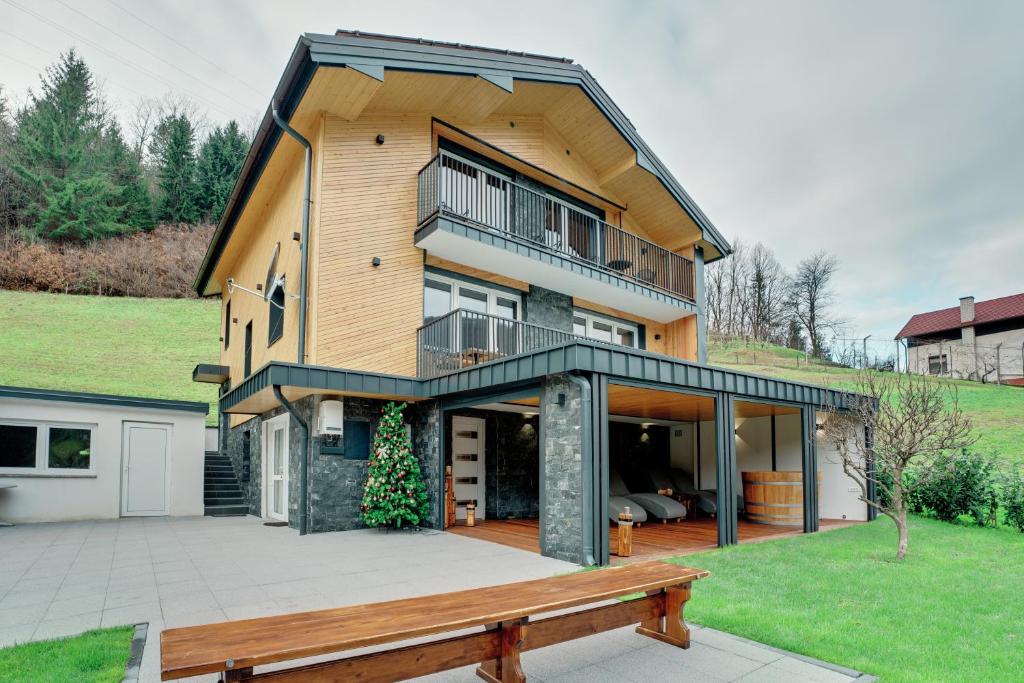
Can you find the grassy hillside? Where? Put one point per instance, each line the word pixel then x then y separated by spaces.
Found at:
pixel 134 347
pixel 997 411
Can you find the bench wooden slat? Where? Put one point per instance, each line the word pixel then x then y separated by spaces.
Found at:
pixel 205 649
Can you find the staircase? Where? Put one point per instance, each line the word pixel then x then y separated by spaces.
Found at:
pixel 222 495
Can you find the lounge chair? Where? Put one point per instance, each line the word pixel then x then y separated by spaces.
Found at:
pixel 656 505
pixel 706 500
pixel 619 503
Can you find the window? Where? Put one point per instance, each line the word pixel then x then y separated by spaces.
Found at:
pixel 19 445
pixel 45 447
pixel 938 365
pixel 357 440
pixel 442 295
pixel 69 448
pixel 276 314
pixel 609 330
pixel 248 349
pixel 227 324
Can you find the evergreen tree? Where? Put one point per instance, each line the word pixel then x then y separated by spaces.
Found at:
pixel 393 493
pixel 12 192
pixel 173 147
pixel 58 155
pixel 220 161
pixel 127 176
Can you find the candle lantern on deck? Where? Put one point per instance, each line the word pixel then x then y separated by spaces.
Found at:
pixel 625 533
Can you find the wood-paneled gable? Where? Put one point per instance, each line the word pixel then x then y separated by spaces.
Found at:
pixel 364 206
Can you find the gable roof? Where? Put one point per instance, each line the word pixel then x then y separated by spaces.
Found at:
pixel 993 310
pixel 373 54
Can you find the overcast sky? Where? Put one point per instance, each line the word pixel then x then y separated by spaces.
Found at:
pixel 888 133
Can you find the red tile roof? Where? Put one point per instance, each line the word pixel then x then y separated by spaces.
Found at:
pixel 989 311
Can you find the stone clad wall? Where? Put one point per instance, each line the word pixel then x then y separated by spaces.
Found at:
pixel 425 418
pixel 561 509
pixel 549 308
pixel 335 481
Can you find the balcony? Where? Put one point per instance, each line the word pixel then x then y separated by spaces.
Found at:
pixel 472 215
pixel 464 338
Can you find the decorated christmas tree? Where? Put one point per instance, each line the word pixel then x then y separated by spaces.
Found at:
pixel 394 493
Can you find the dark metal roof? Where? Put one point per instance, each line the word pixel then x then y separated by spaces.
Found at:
pixel 373 53
pixel 102 399
pixel 575 356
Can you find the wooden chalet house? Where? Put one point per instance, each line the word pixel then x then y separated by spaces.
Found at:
pixel 484 235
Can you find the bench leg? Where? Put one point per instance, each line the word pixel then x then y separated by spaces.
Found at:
pixel 232 675
pixel 670 628
pixel 507 668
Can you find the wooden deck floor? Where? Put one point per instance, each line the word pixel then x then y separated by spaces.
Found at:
pixel 650 541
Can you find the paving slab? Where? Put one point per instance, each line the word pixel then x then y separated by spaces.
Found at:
pixel 62 579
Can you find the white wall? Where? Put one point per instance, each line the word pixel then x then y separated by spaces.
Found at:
pixel 681 445
pixel 96 493
pixel 212 440
pixel 708 460
pixel 965 359
pixel 838 495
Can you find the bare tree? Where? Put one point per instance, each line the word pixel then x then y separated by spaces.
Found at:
pixel 811 298
pixel 913 420
pixel 766 291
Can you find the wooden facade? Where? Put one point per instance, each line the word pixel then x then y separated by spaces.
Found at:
pixel 370 138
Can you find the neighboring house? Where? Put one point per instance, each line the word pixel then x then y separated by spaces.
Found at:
pixel 487 238
pixel 981 340
pixel 67 455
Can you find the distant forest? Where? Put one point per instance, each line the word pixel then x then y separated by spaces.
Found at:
pixel 81 199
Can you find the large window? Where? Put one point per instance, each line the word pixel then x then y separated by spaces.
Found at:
pixel 602 328
pixel 442 295
pixel 484 334
pixel 227 324
pixel 276 314
pixel 248 350
pixel 45 447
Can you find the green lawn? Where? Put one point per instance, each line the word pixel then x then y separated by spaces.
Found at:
pixel 952 611
pixel 109 345
pixel 93 657
pixel 995 410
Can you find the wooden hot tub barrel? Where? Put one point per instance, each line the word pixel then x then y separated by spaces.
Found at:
pixel 775 498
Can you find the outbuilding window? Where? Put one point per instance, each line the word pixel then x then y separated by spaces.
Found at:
pixel 938 365
pixel 43 447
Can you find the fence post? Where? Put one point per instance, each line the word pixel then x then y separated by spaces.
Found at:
pixel 998 368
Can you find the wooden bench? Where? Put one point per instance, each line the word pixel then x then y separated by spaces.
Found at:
pixel 504 612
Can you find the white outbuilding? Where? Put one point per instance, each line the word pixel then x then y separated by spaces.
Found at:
pixel 70 456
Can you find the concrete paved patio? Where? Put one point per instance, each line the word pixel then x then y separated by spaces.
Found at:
pixel 61 579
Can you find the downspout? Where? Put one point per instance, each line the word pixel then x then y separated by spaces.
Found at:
pixel 587 457
pixel 303 460
pixel 303 248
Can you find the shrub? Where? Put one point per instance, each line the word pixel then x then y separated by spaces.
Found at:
pixel 160 263
pixel 964 483
pixel 1012 499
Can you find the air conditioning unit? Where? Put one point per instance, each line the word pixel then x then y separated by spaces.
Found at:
pixel 331 419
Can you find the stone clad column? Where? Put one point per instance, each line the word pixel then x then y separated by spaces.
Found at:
pixel 561 469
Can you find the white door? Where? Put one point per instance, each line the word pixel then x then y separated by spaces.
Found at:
pixel 145 456
pixel 275 468
pixel 468 464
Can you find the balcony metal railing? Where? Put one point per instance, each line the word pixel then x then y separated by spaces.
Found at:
pixel 455 188
pixel 464 338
